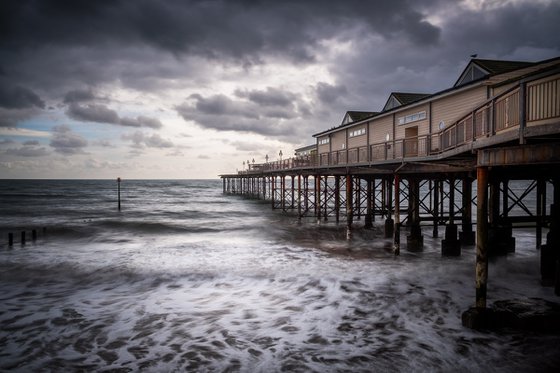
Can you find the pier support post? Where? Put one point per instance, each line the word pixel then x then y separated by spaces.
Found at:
pixel 349 206
pixel 415 240
pixel 389 222
pixel 318 198
pixel 273 191
pixel 397 230
pixel 22 238
pixel 10 239
pixel 467 236
pixel 481 236
pixel 435 209
pixel 500 238
pixel 450 245
pixel 326 198
pixel 550 253
pixel 337 198
pixel 541 210
pixel 368 221
pixel 299 196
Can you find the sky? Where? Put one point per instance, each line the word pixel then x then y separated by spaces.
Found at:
pixel 190 89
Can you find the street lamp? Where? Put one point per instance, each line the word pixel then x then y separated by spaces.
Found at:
pixel 280 154
pixel 243 165
pixel 266 158
pixel 253 160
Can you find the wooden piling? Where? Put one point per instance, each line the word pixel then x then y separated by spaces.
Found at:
pixel 119 192
pixel 397 229
pixel 481 236
pixel 349 206
pixel 23 237
pixel 34 235
pixel 10 239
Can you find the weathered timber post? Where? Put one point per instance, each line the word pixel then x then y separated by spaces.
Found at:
pixel 550 253
pixel 318 198
pixel 293 193
pixel 541 209
pixel 349 206
pixel 358 198
pixel 369 211
pixel 481 236
pixel 224 185
pixel 306 192
pixel 10 239
pixel 467 236
pixel 397 228
pixel 34 235
pixel 389 222
pixel 273 190
pixel 283 190
pixel 326 197
pixel 337 198
pixel 435 209
pixel 119 192
pixel 450 245
pixel 299 196
pixel 22 238
pixel 415 240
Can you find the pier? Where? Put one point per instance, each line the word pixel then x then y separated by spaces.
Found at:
pixel 441 164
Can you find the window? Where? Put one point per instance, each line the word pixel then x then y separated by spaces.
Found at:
pixel 361 131
pixel 324 141
pixel 412 117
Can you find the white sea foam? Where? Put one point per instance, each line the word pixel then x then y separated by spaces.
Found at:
pixel 263 294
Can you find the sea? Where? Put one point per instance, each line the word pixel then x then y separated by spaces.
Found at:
pixel 187 279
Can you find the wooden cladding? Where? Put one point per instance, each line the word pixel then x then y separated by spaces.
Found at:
pixel 543 100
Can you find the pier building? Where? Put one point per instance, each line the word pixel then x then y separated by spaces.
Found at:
pixel 427 162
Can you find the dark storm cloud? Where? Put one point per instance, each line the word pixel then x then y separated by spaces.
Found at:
pixel 102 114
pixel 65 141
pixel 212 28
pixel 328 93
pixel 269 97
pixel 78 95
pixel 270 113
pixel 17 97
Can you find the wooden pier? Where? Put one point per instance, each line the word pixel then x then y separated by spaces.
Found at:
pixel 409 169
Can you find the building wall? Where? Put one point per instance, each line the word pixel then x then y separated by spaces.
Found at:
pixel 423 124
pixel 323 148
pixel 338 140
pixel 451 108
pixel 379 128
pixel 357 141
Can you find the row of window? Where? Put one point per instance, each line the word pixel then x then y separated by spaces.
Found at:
pixel 412 117
pixel 361 131
pixel 324 141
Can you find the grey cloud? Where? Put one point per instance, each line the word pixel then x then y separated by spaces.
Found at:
pixel 28 151
pixel 31 143
pixel 141 140
pixel 141 121
pixel 93 113
pixel 221 112
pixel 269 97
pixel 244 29
pixel 12 117
pixel 17 97
pixel 7 142
pixel 78 95
pixel 328 93
pixel 102 114
pixel 65 141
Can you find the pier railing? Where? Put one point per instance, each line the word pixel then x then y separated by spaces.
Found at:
pixel 528 104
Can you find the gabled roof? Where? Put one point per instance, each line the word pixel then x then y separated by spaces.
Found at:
pixel 402 98
pixel 354 116
pixel 478 69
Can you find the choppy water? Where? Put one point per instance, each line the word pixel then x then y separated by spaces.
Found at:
pixel 187 279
